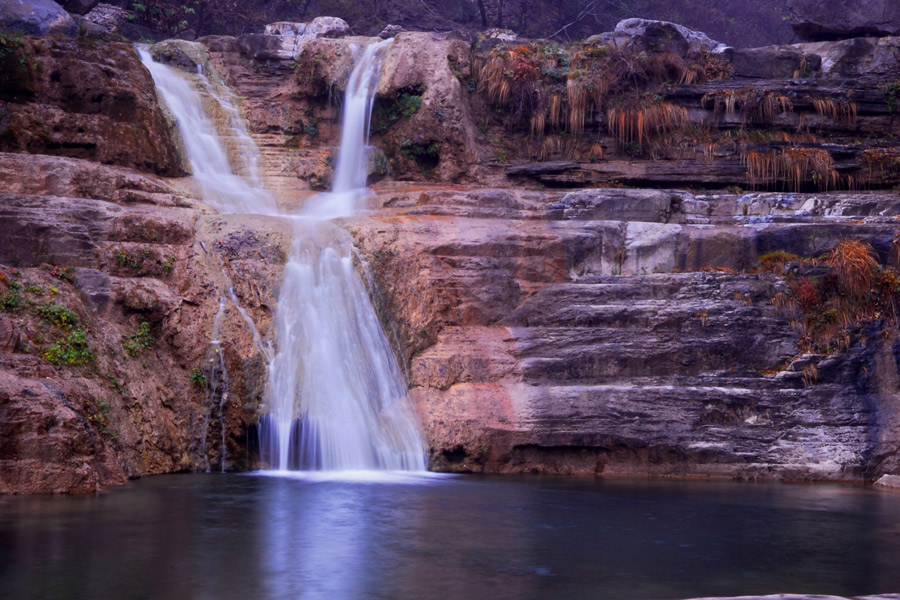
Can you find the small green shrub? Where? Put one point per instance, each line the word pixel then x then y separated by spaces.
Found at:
pixel 138 341
pixel 62 273
pixel 99 416
pixel 198 378
pixel 11 300
pixel 125 259
pixel 72 350
pixel 115 383
pixel 892 95
pixel 35 289
pixel 168 266
pixel 775 261
pixel 387 112
pixel 58 315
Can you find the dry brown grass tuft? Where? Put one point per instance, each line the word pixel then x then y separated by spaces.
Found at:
pixel 839 111
pixel 556 110
pixel 578 100
pixel 538 123
pixel 791 168
pixel 759 106
pixel 637 122
pixel 881 163
pixel 855 267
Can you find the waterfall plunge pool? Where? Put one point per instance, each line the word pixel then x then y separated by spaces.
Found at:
pixel 238 536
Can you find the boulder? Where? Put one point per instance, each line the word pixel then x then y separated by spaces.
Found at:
pixel 819 20
pixel 85 100
pixel 443 122
pixel 857 57
pixel 79 7
pixel 285 40
pixel 285 28
pixel 645 35
pixel 36 17
pixel 330 27
pixel 501 35
pixel 390 31
pixel 490 38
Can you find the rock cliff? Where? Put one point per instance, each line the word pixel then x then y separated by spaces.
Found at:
pixel 589 258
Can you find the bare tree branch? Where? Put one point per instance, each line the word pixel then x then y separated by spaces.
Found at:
pixel 587 11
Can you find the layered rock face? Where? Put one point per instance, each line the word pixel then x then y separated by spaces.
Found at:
pixel 553 333
pixel 111 285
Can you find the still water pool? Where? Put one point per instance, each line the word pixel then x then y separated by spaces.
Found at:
pixel 247 537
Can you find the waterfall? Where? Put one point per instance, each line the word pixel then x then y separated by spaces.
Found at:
pixel 349 181
pixel 337 398
pixel 222 188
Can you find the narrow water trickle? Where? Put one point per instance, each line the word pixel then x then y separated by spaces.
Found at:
pixel 336 397
pixel 217 383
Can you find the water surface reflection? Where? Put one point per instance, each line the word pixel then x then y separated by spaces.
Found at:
pixel 226 536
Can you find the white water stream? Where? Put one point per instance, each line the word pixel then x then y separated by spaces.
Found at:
pixel 336 397
pixel 222 188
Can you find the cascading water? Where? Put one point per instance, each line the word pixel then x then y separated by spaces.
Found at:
pixel 349 183
pixel 336 396
pixel 222 188
pixel 337 399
